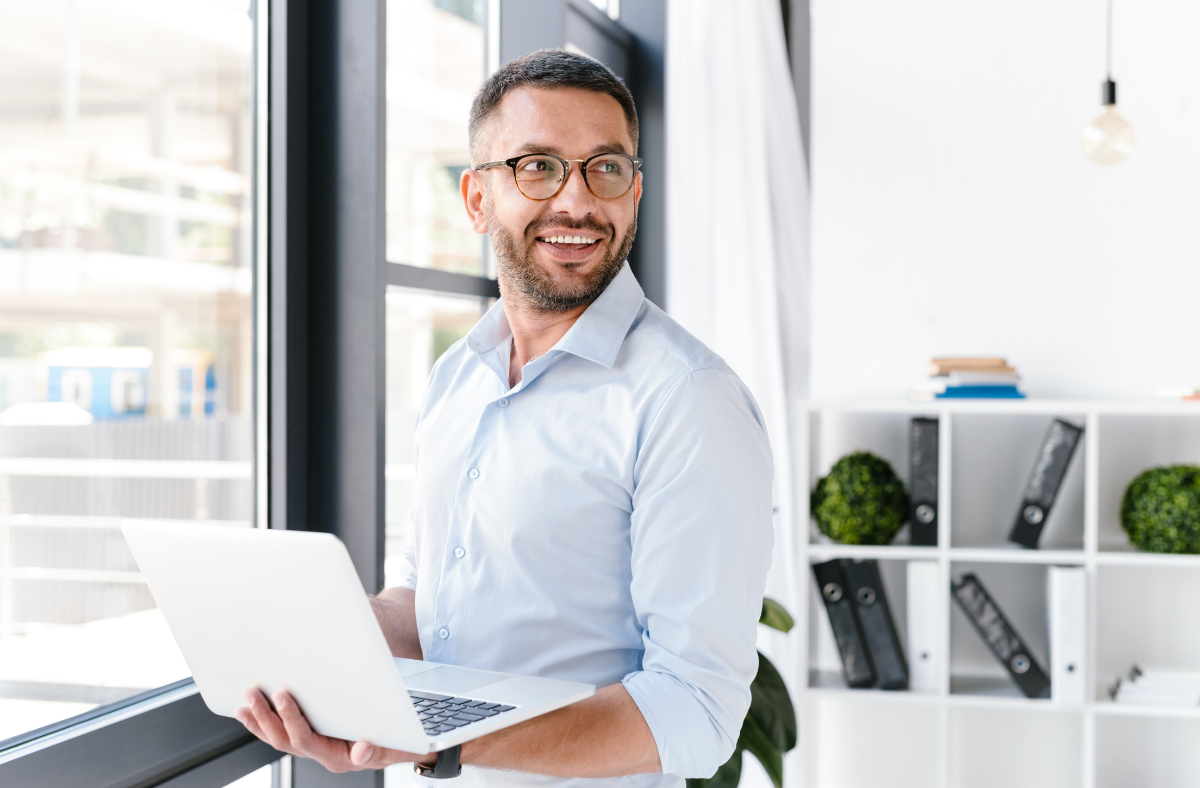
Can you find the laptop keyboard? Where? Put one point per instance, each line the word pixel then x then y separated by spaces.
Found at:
pixel 442 713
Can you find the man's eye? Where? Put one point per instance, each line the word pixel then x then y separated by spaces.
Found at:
pixel 538 165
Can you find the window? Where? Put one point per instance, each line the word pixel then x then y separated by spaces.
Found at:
pixel 126 265
pixel 610 7
pixel 259 778
pixel 435 64
pixel 420 327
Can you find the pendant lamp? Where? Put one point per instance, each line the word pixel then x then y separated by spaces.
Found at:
pixel 1108 139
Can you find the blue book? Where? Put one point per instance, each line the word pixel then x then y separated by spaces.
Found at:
pixel 981 392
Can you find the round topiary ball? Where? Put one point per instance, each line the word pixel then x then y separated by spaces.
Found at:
pixel 861 501
pixel 1161 510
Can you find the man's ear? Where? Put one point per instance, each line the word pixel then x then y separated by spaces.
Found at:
pixel 471 186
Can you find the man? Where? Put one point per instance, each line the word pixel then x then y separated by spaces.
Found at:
pixel 593 490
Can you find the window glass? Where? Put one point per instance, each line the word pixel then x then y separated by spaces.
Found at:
pixel 610 7
pixel 259 778
pixel 435 63
pixel 421 326
pixel 125 327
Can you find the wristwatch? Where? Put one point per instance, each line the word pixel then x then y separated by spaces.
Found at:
pixel 447 765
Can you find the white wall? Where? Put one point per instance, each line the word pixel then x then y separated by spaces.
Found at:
pixel 954 213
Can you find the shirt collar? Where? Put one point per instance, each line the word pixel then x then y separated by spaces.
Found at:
pixel 490 331
pixel 598 333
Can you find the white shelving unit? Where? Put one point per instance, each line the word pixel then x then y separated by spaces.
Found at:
pixel 977 730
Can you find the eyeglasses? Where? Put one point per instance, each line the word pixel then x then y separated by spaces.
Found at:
pixel 540 176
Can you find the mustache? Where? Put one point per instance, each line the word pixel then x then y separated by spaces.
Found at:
pixel 587 222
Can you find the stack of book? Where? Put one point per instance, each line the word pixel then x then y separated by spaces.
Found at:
pixel 975 378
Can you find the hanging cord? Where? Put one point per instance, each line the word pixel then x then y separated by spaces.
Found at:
pixel 1108 43
pixel 1108 91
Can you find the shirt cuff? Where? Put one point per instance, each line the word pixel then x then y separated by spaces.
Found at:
pixel 690 742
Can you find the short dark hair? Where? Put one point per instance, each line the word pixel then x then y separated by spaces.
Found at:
pixel 550 68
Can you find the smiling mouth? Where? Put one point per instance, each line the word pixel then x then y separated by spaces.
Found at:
pixel 576 241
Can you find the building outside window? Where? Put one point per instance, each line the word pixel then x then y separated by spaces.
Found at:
pixel 126 267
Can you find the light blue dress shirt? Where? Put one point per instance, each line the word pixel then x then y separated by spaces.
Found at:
pixel 608 519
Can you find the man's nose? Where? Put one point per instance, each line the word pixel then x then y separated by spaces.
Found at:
pixel 575 198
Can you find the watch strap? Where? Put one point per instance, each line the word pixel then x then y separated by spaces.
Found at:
pixel 447 766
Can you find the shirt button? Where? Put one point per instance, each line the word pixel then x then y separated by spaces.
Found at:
pixel 443 633
pixel 503 403
pixel 474 474
pixel 459 552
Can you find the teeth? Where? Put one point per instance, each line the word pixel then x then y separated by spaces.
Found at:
pixel 569 239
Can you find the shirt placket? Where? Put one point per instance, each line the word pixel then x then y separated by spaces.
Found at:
pixel 473 474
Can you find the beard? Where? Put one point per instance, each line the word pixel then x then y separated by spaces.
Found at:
pixel 530 281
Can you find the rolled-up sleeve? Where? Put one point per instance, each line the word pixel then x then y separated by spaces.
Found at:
pixel 702 534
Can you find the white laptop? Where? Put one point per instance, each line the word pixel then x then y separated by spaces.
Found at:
pixel 286 610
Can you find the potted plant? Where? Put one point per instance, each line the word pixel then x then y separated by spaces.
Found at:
pixel 1160 510
pixel 860 501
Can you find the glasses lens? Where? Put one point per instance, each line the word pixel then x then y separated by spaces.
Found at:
pixel 610 176
pixel 539 176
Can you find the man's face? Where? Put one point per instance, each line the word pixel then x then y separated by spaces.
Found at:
pixel 546 274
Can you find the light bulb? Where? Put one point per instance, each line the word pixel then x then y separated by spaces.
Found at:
pixel 1109 138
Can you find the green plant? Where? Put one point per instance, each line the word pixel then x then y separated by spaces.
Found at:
pixel 1161 510
pixel 861 501
pixel 769 729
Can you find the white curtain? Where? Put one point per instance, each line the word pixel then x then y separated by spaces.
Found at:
pixel 737 237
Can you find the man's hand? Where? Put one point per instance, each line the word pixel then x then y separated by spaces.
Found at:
pixel 285 728
pixel 601 736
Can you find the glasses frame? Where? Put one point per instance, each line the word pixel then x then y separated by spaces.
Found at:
pixel 566 163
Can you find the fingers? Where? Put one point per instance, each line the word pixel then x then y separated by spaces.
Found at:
pixel 285 728
pixel 261 720
pixel 365 755
pixel 244 716
pixel 333 754
pixel 362 753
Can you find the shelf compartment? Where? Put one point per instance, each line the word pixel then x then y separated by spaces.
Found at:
pixel 824 662
pixel 899 742
pixel 991 459
pixel 1142 751
pixel 836 434
pixel 1146 615
pixel 1132 444
pixel 1005 747
pixel 1020 592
